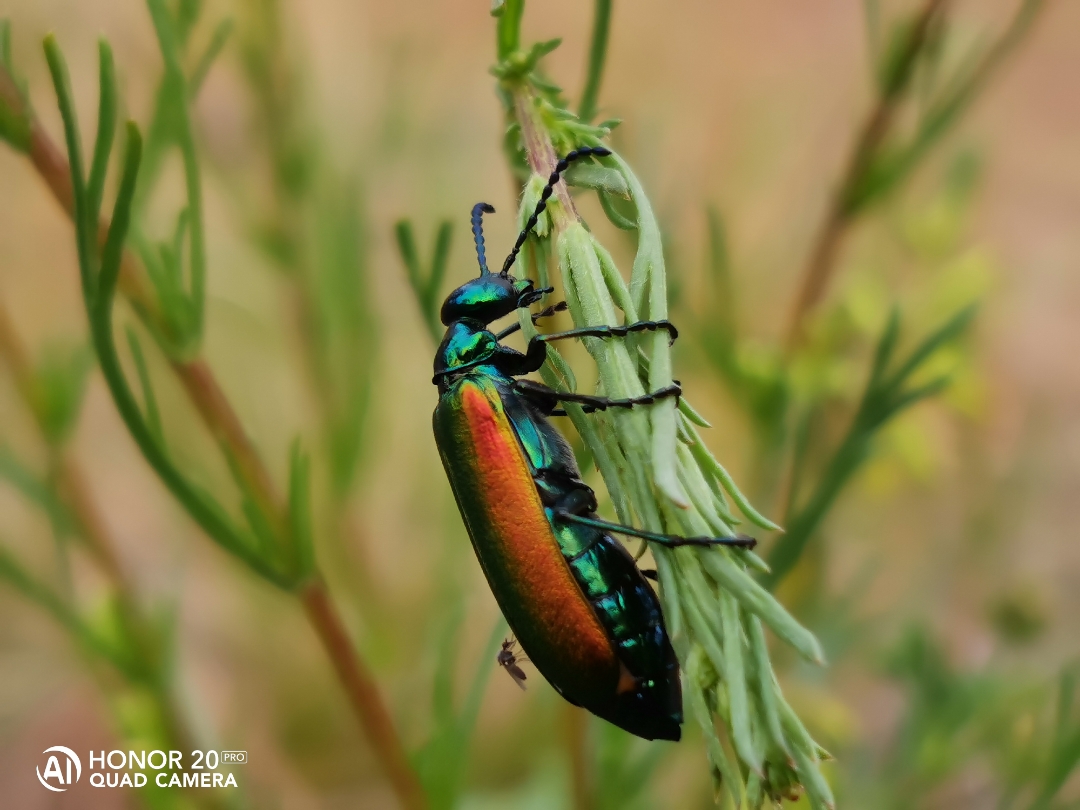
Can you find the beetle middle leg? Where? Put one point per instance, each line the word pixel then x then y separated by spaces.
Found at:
pixel 590 403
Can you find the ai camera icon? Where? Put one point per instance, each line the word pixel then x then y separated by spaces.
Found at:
pixel 234 757
pixel 53 771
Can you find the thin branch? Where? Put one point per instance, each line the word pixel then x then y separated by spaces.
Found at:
pixel 72 482
pixel 576 726
pixel 195 375
pixel 224 424
pixel 822 262
pixel 597 56
pixel 71 485
pixel 363 694
pixel 541 155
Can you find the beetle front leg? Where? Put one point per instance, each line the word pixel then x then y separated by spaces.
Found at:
pixel 546 312
pixel 613 331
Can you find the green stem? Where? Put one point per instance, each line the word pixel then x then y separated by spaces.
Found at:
pixel 175 86
pixel 597 57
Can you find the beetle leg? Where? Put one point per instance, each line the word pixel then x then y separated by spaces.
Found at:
pixel 547 397
pixel 613 331
pixel 566 512
pixel 547 312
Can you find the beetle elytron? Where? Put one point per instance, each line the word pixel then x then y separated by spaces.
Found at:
pixel 582 611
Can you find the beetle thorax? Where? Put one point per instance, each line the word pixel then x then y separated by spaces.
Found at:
pixel 467 344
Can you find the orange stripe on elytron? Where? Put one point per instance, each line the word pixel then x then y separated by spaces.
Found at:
pixel 519 538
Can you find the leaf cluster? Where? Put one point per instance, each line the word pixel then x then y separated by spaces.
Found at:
pixel 276 546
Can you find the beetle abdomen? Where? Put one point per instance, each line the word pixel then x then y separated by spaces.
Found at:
pixel 539 596
pixel 581 610
pixel 629 610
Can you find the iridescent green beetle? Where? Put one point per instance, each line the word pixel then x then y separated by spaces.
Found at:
pixel 582 611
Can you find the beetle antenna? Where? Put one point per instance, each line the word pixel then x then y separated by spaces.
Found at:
pixel 560 167
pixel 478 212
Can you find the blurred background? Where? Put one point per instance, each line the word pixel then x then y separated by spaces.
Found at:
pixel 941 582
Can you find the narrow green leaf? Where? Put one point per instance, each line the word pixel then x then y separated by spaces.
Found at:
pixel 470 712
pixel 300 520
pixel 617 217
pixel 726 774
pixel 598 178
pixel 85 237
pixel 205 511
pixel 723 287
pixel 909 398
pixel 539 50
pixel 709 463
pixel 153 416
pixel 700 496
pixel 174 84
pixel 407 248
pixel 6 58
pixel 206 61
pixel 687 410
pixel 37 491
pixel 885 347
pixel 267 541
pixel 16 575
pixel 14 109
pixel 765 683
pixel 949 331
pixel 671 597
pixel 121 219
pixel 105 130
pixel 734 674
pixel 616 286
pixel 439 261
pixel 761 603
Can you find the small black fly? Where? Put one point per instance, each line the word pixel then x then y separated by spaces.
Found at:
pixel 508 659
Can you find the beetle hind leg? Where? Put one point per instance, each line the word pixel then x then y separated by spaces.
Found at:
pixel 571 508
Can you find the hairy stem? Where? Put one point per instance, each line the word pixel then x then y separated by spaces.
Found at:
pixel 540 152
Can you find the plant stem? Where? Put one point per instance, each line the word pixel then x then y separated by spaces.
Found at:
pixel 363 694
pixel 540 152
pixel 597 57
pixel 225 426
pixel 70 483
pixel 576 723
pixel 71 480
pixel 194 374
pixel 823 257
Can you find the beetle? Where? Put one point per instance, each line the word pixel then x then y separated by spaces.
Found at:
pixel 573 596
pixel 509 659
